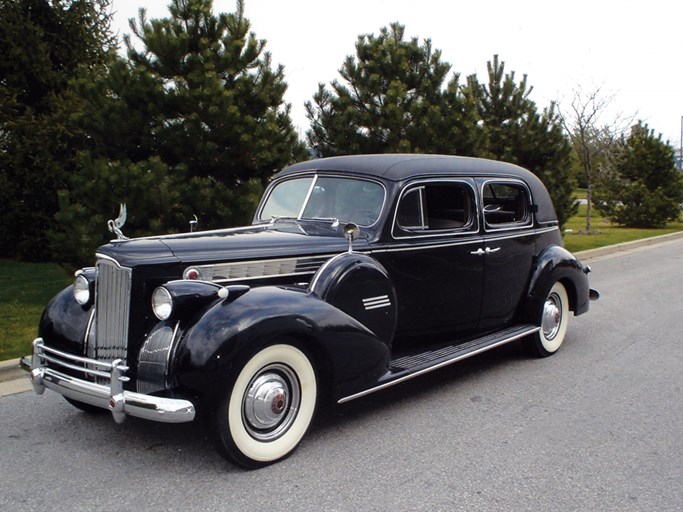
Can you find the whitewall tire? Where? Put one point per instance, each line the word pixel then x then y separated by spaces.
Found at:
pixel 269 408
pixel 554 321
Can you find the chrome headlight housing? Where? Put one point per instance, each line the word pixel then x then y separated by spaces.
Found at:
pixel 162 303
pixel 183 298
pixel 83 286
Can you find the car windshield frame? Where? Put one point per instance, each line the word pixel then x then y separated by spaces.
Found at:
pixel 301 209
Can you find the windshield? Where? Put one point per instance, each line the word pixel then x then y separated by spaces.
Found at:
pixel 325 197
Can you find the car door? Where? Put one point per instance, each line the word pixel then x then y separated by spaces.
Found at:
pixel 509 247
pixel 432 258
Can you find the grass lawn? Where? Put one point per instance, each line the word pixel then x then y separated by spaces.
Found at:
pixel 606 233
pixel 25 289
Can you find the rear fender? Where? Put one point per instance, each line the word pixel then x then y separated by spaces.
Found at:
pixel 557 264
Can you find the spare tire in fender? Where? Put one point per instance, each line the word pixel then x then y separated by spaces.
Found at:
pixel 359 286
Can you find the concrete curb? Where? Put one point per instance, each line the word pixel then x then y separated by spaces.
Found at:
pixel 14 380
pixel 10 370
pixel 616 250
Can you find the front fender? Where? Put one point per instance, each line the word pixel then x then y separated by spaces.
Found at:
pixel 212 349
pixel 64 322
pixel 555 264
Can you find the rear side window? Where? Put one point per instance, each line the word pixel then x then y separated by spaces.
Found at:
pixel 435 207
pixel 505 204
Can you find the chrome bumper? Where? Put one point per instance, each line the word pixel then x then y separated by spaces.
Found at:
pixel 121 403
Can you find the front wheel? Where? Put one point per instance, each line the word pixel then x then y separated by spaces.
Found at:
pixel 554 321
pixel 269 408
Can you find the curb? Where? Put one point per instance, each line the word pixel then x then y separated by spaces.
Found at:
pixel 616 250
pixel 10 370
pixel 13 379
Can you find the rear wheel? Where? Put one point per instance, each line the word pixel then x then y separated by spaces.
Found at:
pixel 269 407
pixel 554 320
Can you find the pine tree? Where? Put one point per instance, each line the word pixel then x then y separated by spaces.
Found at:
pixel 221 102
pixel 391 99
pixel 643 189
pixel 46 45
pixel 193 123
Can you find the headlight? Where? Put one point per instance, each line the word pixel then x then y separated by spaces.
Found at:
pixel 162 303
pixel 82 289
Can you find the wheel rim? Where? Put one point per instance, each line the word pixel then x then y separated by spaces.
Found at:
pixel 271 402
pixel 552 316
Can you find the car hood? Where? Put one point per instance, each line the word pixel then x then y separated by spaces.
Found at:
pixel 249 243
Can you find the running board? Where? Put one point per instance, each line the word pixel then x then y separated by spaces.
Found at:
pixel 407 367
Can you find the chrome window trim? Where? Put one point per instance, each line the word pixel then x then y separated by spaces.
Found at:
pixel 471 228
pixel 316 175
pixel 306 199
pixel 426 246
pixel 509 225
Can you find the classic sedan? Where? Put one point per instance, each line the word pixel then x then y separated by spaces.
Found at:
pixel 358 273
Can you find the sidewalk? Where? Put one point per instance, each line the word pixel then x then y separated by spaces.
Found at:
pixel 15 380
pixel 12 378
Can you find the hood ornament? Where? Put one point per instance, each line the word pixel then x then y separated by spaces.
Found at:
pixel 116 224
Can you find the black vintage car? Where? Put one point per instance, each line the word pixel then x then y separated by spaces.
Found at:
pixel 358 273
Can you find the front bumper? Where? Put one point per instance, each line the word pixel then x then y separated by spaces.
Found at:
pixel 110 396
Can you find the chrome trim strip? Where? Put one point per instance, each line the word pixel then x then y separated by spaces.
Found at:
pixel 260 269
pixel 320 270
pixel 381 301
pixel 376 250
pixel 455 359
pixel 78 359
pixel 70 366
pixel 308 196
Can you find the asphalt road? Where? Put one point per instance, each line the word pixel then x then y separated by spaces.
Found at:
pixel 599 426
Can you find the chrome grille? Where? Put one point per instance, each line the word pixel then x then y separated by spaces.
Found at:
pixel 112 309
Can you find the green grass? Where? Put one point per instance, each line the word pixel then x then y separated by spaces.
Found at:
pixel 606 233
pixel 25 289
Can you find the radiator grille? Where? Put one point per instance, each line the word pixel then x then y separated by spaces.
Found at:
pixel 112 311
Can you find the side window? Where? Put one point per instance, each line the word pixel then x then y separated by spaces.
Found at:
pixel 505 204
pixel 435 207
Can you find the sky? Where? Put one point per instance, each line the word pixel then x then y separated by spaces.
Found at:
pixel 631 51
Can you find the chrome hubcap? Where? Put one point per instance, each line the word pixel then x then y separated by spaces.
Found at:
pixel 552 316
pixel 271 402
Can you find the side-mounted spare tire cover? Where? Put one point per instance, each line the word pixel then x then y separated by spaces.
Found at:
pixel 359 286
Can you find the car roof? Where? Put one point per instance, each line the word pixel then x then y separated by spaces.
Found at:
pixel 398 167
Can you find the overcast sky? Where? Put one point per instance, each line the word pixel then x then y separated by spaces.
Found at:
pixel 628 49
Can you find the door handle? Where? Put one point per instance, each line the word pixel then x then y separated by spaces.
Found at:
pixel 488 250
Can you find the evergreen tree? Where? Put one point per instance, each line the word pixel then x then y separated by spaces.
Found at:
pixel 221 107
pixel 517 132
pixel 45 44
pixel 194 123
pixel 392 99
pixel 643 188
